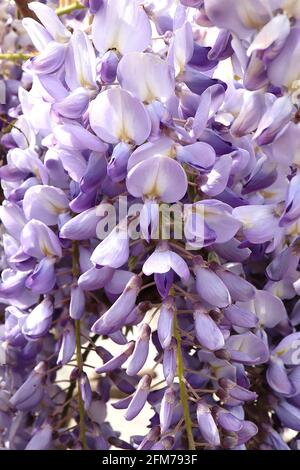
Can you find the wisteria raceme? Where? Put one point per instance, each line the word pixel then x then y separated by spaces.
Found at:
pixel 150 221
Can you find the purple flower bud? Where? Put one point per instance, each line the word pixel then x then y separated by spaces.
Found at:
pixel 117 361
pixel 228 421
pixel 166 409
pixel 94 278
pixel 239 288
pixel 208 333
pixel 113 251
pixel 115 317
pixel 165 322
pixel 67 346
pixel 31 391
pixel 77 303
pixel 207 424
pixel 150 439
pixel 169 362
pixel 141 350
pixel 211 288
pixel 117 167
pixel 236 391
pixel 43 277
pixel 108 67
pixel 41 440
pixel 39 320
pixel 240 317
pixel 139 398
pixel 86 391
pixel 166 443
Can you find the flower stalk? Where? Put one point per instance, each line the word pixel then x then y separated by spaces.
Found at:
pixel 79 359
pixel 182 388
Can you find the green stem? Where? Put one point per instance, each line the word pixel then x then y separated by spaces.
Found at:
pixel 182 388
pixel 16 56
pixel 68 9
pixel 79 361
pixel 82 430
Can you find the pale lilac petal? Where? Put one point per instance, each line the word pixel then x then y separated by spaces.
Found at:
pixel 139 398
pixel 199 155
pixel 268 308
pixel 211 288
pixel 260 223
pixel 247 349
pixel 51 21
pixel 277 377
pixel 39 241
pixel 45 203
pixel 138 73
pixel 115 115
pixel 217 179
pixel 207 424
pixel 166 322
pixel 151 179
pixel 239 288
pixel 121 25
pixel 113 251
pixel 76 137
pixel 208 333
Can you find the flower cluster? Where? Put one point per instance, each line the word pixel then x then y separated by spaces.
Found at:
pixel 189 103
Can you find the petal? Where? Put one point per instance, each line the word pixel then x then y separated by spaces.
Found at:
pixel 115 115
pixel 39 241
pixel 51 21
pixel 274 32
pixel 138 73
pixel 260 223
pixel 49 60
pixel 165 322
pixel 82 226
pixel 207 424
pixel 141 350
pixel 74 105
pixel 239 288
pixel 118 361
pixel 268 308
pixel 167 409
pixel 240 317
pixel 207 332
pixel 217 179
pixel 74 136
pixel 121 25
pixel 39 320
pixel 81 62
pixel 113 251
pixel 284 69
pixel 150 178
pixel 247 349
pixel 199 155
pixel 139 398
pixel 210 288
pixel 38 34
pixel 45 203
pixel 43 278
pixel 273 121
pixel 42 439
pixel 277 377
